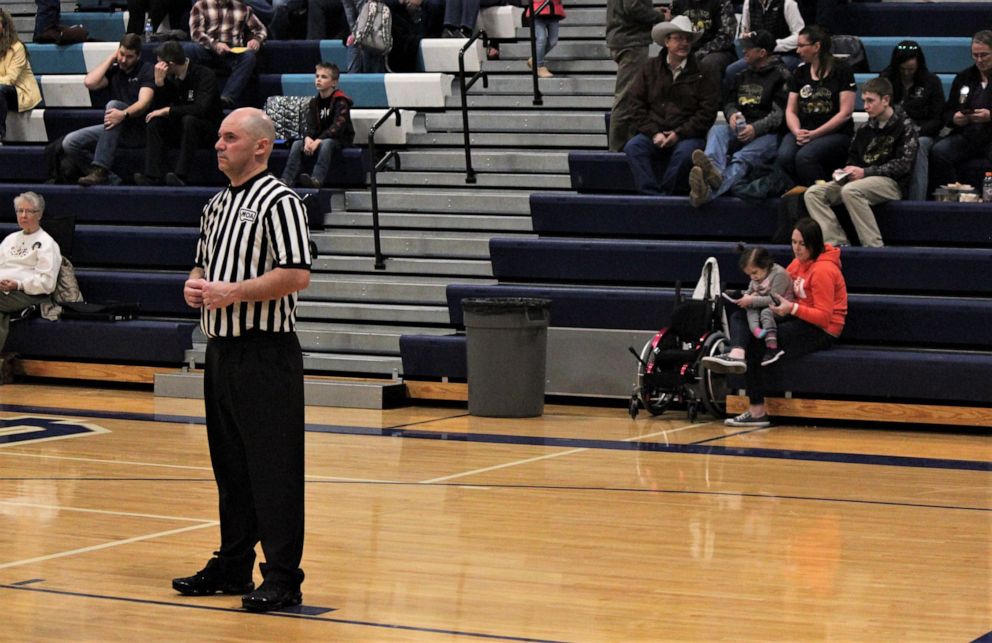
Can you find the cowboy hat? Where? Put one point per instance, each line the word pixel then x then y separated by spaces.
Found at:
pixel 678 24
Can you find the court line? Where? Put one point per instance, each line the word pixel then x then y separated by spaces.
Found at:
pixel 107 545
pixel 545 457
pixel 324 619
pixel 127 514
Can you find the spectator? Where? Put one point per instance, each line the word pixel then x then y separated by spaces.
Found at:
pixel 921 95
pixel 222 27
pixel 48 27
pixel 546 33
pixel 326 19
pixel 878 169
pixel 363 61
pixel 779 17
pixel 718 23
pixel 674 103
pixel 769 282
pixel 29 262
pixel 754 113
pixel 329 129
pixel 628 35
pixel 812 322
pixel 413 20
pixel 188 114
pixel 18 87
pixel 967 114
pixel 818 114
pixel 132 87
pixel 157 11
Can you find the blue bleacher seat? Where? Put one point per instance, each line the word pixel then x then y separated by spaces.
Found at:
pixel 138 341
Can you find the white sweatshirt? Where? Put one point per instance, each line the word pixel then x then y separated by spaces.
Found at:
pixel 32 260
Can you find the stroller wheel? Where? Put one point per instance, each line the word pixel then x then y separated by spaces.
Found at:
pixel 715 388
pixel 655 399
pixel 634 408
pixel 693 409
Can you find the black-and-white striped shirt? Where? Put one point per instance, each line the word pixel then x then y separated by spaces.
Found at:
pixel 246 232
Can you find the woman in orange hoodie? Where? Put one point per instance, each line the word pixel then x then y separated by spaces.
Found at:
pixel 814 320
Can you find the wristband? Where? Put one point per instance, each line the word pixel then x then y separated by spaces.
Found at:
pixel 795 307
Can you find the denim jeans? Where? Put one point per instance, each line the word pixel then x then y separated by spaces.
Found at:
pixel 721 141
pixel 661 170
pixel 921 171
pixel 546 34
pixel 461 13
pixel 952 150
pixel 815 160
pixel 240 65
pixel 325 154
pixel 96 145
pixel 47 14
pixel 362 61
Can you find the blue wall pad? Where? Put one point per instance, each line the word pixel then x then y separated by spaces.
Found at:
pixel 366 90
pixel 159 293
pixel 140 341
pixel 56 59
pixel 945 55
pixel 434 356
pixel 108 27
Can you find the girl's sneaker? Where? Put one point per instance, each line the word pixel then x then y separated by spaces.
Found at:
pixel 771 356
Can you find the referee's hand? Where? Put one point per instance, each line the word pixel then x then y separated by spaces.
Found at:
pixel 193 292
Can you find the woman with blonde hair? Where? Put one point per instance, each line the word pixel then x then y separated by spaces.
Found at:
pixel 18 87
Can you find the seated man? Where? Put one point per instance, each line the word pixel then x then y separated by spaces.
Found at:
pixel 188 114
pixel 673 102
pixel 717 22
pixel 329 129
pixel 29 262
pixel 132 87
pixel 222 27
pixel 879 166
pixel 755 113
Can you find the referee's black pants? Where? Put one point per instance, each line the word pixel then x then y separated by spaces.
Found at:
pixel 253 387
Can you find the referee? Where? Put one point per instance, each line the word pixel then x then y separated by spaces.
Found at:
pixel 252 259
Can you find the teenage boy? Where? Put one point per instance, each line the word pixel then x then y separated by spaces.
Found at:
pixel 329 129
pixel 879 166
pixel 754 112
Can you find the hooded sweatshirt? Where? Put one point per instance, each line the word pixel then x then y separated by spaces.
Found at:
pixel 821 293
pixel 888 150
pixel 331 118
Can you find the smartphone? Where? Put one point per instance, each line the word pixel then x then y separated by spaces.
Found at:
pixel 775 299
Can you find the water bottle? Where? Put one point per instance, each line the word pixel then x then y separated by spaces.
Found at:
pixel 987 188
pixel 148 29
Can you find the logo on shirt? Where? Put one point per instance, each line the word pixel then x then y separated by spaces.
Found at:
pixel 190 96
pixel 36 245
pixel 244 214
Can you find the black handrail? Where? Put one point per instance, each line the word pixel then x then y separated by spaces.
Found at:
pixel 538 98
pixel 469 172
pixel 380 260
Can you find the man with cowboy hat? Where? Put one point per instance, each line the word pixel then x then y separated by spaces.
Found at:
pixel 674 103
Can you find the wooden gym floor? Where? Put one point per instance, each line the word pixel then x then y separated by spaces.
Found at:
pixel 426 524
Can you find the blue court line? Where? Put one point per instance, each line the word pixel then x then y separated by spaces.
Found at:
pixel 325 619
pixel 537 487
pixel 984 638
pixel 569 443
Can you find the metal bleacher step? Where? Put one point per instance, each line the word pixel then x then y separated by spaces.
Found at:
pixel 585 15
pixel 431 221
pixel 557 65
pixel 482 180
pixel 374 313
pixel 559 85
pixel 564 50
pixel 518 121
pixel 516 161
pixel 566 32
pixel 475 201
pixel 410 243
pixel 404 266
pixel 513 139
pixel 526 101
pixel 391 289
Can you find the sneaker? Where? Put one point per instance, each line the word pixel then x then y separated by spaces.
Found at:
pixel 771 356
pixel 699 190
pixel 746 419
pixel 211 580
pixel 724 363
pixel 272 596
pixel 712 175
pixel 308 181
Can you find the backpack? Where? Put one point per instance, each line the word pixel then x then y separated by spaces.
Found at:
pixel 374 28
pixel 852 51
pixel 288 114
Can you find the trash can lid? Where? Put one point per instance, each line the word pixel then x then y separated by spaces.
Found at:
pixel 496 305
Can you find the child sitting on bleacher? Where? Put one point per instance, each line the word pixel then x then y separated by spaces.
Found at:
pixel 328 129
pixel 769 281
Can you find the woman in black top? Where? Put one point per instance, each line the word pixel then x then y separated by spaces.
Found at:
pixel 818 114
pixel 921 95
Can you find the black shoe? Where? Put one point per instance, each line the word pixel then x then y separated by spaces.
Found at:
pixel 174 180
pixel 308 181
pixel 272 596
pixel 771 356
pixel 142 179
pixel 210 580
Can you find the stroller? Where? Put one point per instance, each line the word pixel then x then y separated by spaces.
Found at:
pixel 668 367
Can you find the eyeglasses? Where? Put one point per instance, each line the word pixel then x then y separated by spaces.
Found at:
pixel 908 47
pixel 800 45
pixel 27 210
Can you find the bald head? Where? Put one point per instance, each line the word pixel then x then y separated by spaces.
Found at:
pixel 244 144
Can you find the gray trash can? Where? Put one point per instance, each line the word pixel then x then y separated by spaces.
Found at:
pixel 507 351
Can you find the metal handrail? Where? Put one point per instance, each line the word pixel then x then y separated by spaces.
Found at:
pixel 465 86
pixel 380 260
pixel 538 98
